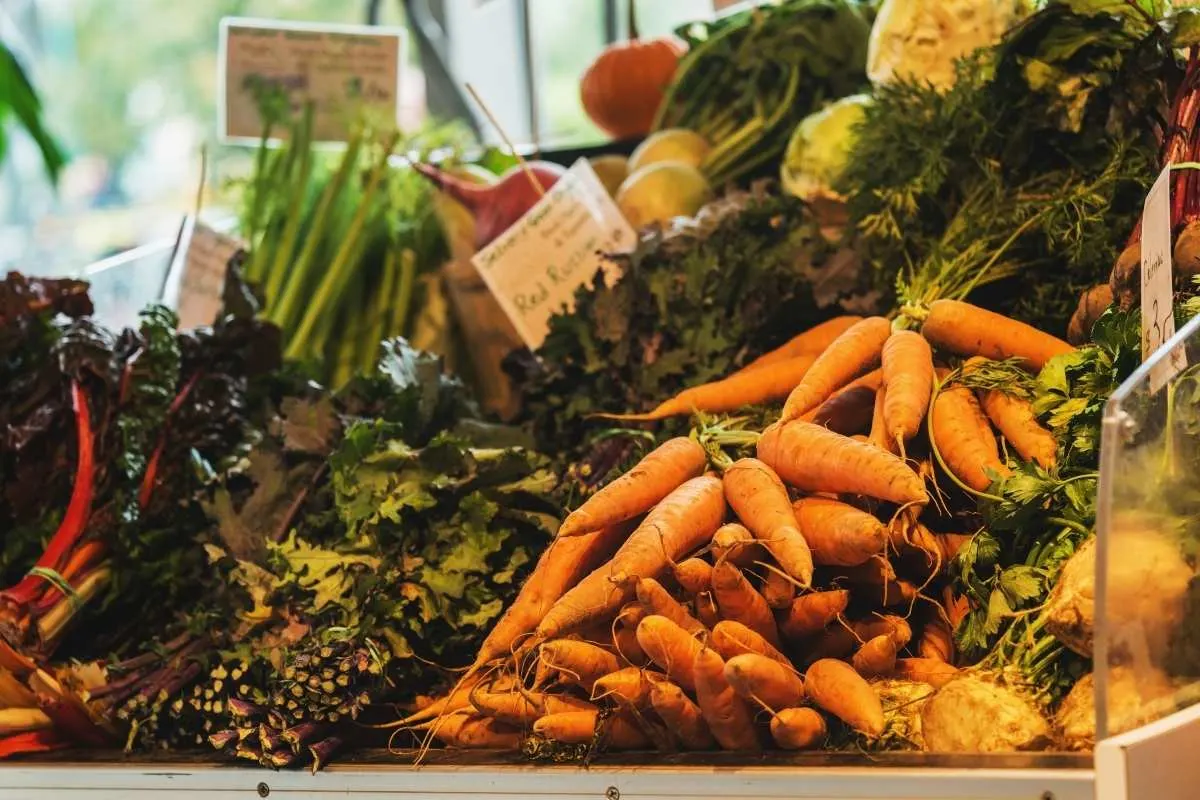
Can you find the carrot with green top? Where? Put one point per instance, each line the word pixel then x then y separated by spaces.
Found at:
pixel 969 330
pixel 964 439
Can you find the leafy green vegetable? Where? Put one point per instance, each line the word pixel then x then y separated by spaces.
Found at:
pixel 18 100
pixel 750 77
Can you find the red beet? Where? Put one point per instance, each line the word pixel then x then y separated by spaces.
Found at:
pixel 498 206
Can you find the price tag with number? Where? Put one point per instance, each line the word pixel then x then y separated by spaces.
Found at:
pixel 1158 299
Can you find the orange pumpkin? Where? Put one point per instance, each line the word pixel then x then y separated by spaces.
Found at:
pixel 622 89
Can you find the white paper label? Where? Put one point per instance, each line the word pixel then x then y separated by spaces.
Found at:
pixel 1158 299
pixel 345 70
pixel 535 267
pixel 203 280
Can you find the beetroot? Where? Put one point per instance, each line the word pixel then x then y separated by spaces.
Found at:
pixel 498 206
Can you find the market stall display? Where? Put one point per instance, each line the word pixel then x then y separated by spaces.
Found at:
pixel 818 471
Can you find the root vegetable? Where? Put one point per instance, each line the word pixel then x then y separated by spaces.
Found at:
pixel 1014 418
pixel 969 330
pixel 471 732
pixel 835 687
pixel 856 351
pixel 728 716
pixel 694 575
pixel 738 600
pixel 876 657
pixel 706 609
pixel 578 663
pixel 897 628
pixel 937 641
pixel 908 384
pixel 682 522
pixel 681 716
pixel 640 489
pixel 764 680
pixel 626 643
pixel 759 498
pixel 878 435
pixel 658 600
pixel 522 709
pixel 847 412
pixel 731 638
pixel 810 613
pixel 965 439
pixel 814 459
pixel 736 544
pixel 744 388
pixel 812 342
pixel 630 686
pixel 670 647
pixel 778 589
pixel 798 728
pixel 839 534
pixel 973 715
pixel 1092 303
pixel 925 670
pixel 1126 277
pixel 579 727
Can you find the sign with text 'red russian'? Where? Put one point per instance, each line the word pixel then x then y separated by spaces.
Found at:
pixel 535 267
pixel 346 71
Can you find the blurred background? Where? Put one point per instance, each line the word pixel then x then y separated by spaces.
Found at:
pixel 129 88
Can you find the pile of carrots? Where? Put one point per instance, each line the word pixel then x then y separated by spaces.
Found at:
pixel 700 602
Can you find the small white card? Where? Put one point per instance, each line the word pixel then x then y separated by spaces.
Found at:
pixel 535 267
pixel 343 69
pixel 1158 295
pixel 202 283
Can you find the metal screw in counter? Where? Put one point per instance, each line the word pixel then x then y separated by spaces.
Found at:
pixel 613 793
pixel 263 790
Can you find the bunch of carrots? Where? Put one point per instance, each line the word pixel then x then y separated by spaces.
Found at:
pixel 704 600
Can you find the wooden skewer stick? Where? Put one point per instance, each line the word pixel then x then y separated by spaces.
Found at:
pixel 508 142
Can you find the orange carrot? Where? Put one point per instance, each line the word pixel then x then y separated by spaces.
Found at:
pixel 925 670
pixel 706 609
pixel 797 728
pixel 856 351
pixel 872 380
pixel 890 594
pixel 890 625
pixel 876 657
pixel 754 387
pixel 669 647
pixel 658 600
pixel 739 601
pixel 764 680
pixel 694 575
pixel 736 544
pixel 523 708
pixel 626 644
pixel 964 438
pixel 814 459
pixel 810 613
pixel 951 543
pixel 683 521
pixel 812 342
pixel 1014 418
pixel 937 641
pixel 578 663
pixel 875 571
pixel 630 686
pixel 681 716
pixel 878 436
pixel 847 411
pixel 579 727
pixel 759 498
pixel 563 564
pixel 973 331
pixel 731 638
pixel 458 699
pixel 727 715
pixel 469 731
pixel 908 383
pixel 640 489
pixel 777 589
pixel 835 687
pixel 838 533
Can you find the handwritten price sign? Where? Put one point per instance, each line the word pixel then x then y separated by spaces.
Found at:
pixel 344 70
pixel 1158 298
